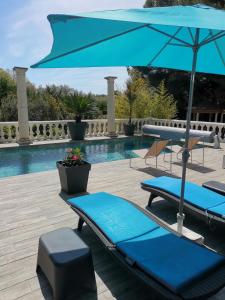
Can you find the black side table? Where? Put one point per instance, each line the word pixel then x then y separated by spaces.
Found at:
pixel 67 263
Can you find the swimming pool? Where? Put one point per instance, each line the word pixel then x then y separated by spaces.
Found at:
pixel 30 159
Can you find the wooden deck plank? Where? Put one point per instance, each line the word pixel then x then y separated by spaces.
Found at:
pixel 32 204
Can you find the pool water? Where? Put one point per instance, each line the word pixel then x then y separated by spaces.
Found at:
pixel 30 159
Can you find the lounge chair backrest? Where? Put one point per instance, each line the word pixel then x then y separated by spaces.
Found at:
pixel 156 148
pixel 192 142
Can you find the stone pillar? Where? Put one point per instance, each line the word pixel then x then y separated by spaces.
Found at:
pixel 210 117
pixel 111 107
pixel 221 118
pixel 197 116
pixel 23 121
pixel 216 117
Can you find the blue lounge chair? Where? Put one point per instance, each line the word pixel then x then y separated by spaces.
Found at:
pixel 207 204
pixel 172 266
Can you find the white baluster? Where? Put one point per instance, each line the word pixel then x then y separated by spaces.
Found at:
pixel 9 134
pixel 104 127
pixel 1 134
pixel 91 128
pixel 5 133
pixel 39 136
pixel 51 137
pixel 63 130
pixel 100 127
pixel 17 131
pixel 57 131
pixel 44 133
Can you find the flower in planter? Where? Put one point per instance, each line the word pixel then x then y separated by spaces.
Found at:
pixel 74 157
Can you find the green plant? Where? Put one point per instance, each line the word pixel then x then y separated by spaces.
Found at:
pixel 102 107
pixel 163 105
pixel 130 96
pixel 74 157
pixel 81 105
pixel 136 91
pixel 135 100
pixel 154 3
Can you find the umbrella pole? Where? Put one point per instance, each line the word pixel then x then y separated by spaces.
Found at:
pixel 186 154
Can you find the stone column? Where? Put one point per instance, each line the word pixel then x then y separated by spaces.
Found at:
pixel 197 116
pixel 216 117
pixel 23 121
pixel 210 117
pixel 221 118
pixel 111 107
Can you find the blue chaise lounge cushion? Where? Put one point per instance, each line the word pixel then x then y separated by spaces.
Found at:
pixel 218 210
pixel 118 219
pixel 174 261
pixel 195 195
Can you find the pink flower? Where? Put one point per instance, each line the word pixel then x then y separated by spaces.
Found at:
pixel 74 157
pixel 68 150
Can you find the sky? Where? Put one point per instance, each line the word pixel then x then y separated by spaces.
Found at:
pixel 26 38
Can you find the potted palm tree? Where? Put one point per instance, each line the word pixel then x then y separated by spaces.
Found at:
pixel 130 97
pixel 81 105
pixel 73 172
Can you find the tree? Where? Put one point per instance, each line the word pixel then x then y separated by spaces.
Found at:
pixel 7 85
pixel 48 103
pixel 154 3
pixel 130 96
pixel 81 106
pixel 135 100
pixel 209 88
pixel 163 105
pixel 8 108
pixel 141 100
pixel 102 107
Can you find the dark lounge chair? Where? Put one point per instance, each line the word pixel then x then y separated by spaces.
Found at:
pixel 198 200
pixel 174 267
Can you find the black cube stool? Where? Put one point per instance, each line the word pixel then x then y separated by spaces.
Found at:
pixel 67 263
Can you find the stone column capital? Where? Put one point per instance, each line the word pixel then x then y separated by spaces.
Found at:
pixel 110 78
pixel 20 70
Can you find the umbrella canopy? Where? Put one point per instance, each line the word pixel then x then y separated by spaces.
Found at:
pixel 156 37
pixel 188 38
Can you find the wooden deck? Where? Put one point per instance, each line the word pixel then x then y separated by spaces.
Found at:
pixel 32 204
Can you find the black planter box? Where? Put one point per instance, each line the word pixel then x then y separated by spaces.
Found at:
pixel 129 129
pixel 74 179
pixel 77 130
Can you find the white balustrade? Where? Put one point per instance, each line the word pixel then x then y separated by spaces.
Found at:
pixel 218 128
pixel 56 130
pixel 8 132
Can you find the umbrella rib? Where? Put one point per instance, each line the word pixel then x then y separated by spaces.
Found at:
pixel 213 38
pixel 206 38
pixel 164 46
pixel 169 35
pixel 92 44
pixel 192 37
pixel 218 50
pixel 178 45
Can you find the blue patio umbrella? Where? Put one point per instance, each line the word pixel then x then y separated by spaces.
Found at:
pixel 188 38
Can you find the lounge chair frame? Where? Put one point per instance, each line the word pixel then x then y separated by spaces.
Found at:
pixel 206 287
pixel 193 141
pixel 154 151
pixel 211 220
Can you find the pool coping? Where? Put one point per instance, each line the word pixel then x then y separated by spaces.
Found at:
pixel 63 141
